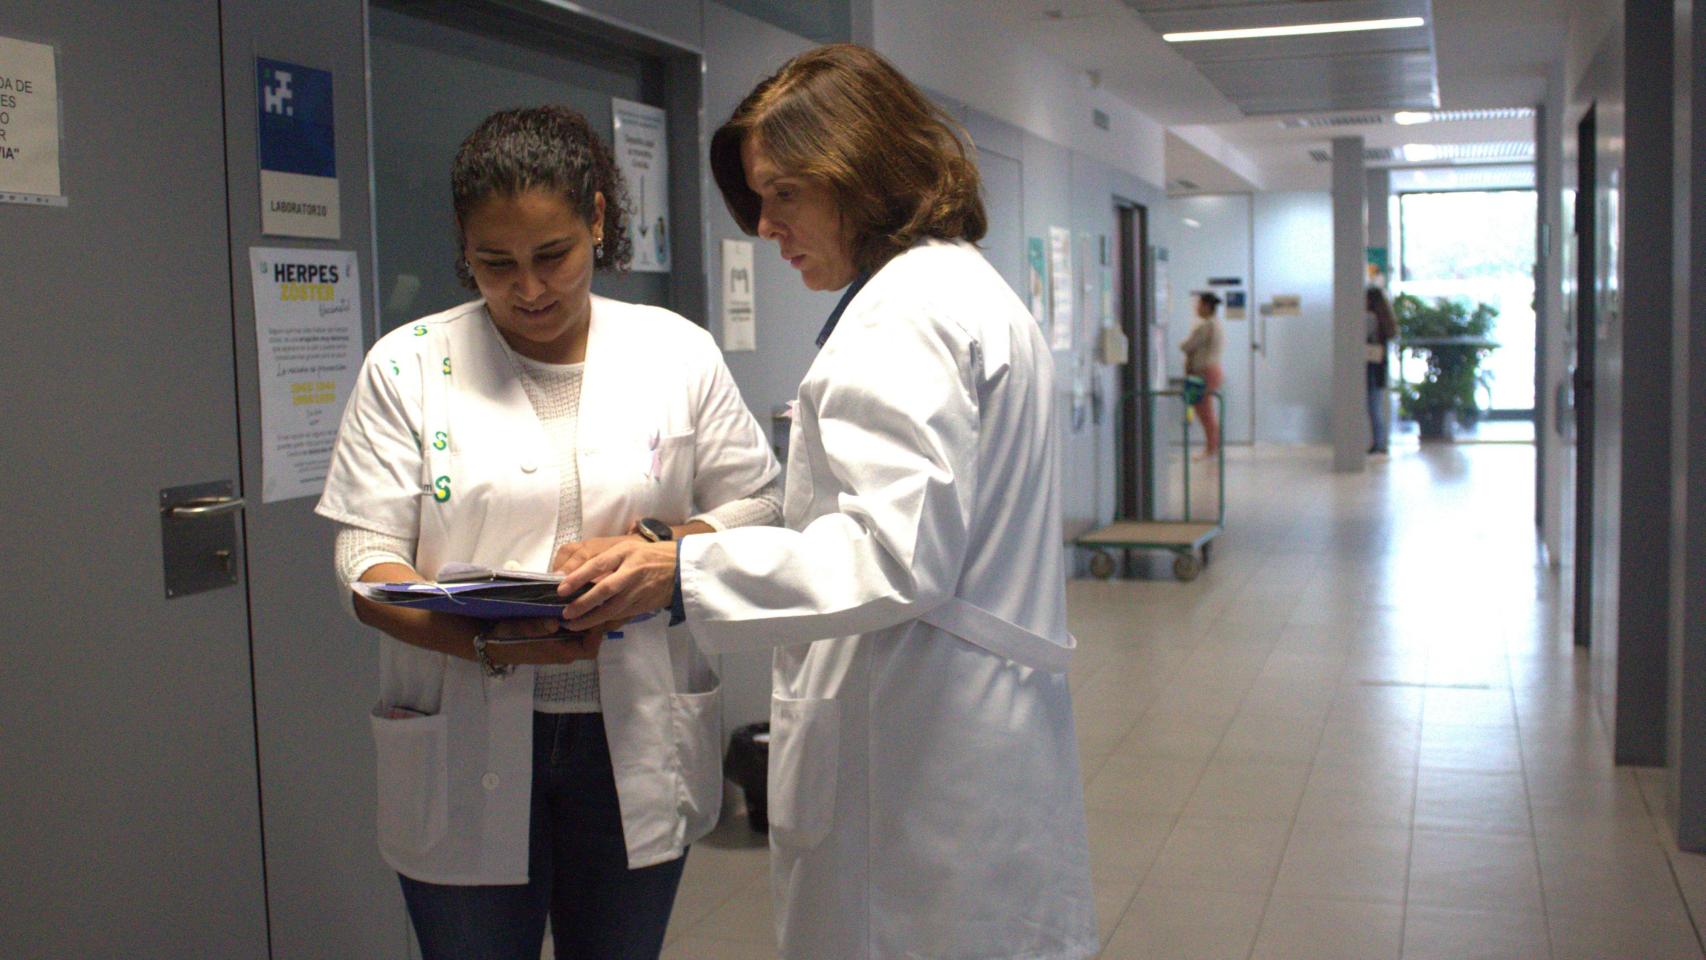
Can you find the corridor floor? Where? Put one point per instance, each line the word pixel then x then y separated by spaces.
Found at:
pixel 1361 733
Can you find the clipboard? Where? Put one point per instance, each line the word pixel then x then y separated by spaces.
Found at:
pixel 478 592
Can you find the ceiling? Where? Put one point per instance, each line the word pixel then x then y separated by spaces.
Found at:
pixel 1484 54
pixel 1373 69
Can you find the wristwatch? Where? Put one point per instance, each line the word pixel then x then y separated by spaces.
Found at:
pixel 654 530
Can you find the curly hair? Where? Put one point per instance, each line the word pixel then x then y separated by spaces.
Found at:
pixel 897 165
pixel 550 148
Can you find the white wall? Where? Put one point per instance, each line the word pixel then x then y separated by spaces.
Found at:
pixel 1294 370
pixel 955 50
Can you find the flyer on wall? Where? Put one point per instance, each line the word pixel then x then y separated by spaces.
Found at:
pixel 309 350
pixel 641 141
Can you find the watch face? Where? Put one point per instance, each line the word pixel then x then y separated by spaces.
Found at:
pixel 655 530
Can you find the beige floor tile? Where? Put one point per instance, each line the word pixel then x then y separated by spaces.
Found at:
pixel 1431 933
pixel 1472 802
pixel 1254 790
pixel 1112 897
pixel 1369 742
pixel 1359 795
pixel 746 916
pixel 1273 738
pixel 1486 872
pixel 1346 861
pixel 1314 929
pixel 1487 749
pixel 1143 786
pixel 1232 856
pixel 1673 939
pixel 1177 735
pixel 706 948
pixel 1470 707
pixel 1123 846
pixel 1165 924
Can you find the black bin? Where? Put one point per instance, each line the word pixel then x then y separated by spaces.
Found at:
pixel 747 763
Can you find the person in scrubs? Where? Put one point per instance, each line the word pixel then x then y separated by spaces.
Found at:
pixel 557 777
pixel 924 795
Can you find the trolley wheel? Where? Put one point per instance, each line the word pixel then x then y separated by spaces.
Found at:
pixel 1102 564
pixel 1186 566
pixel 1205 553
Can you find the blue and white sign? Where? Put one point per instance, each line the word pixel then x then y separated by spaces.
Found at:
pixel 299 174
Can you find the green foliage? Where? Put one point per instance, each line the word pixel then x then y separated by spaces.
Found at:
pixel 1454 369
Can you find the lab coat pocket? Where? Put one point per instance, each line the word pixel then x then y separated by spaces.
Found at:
pixel 805 741
pixel 414 781
pixel 696 726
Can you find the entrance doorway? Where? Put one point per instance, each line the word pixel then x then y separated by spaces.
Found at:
pixel 1134 481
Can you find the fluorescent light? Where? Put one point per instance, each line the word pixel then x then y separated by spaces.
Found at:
pixel 1405 118
pixel 1421 152
pixel 1193 224
pixel 1296 30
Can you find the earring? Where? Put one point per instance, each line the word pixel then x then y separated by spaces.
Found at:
pixel 598 248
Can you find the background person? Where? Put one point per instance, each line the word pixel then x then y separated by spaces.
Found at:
pixel 521 780
pixel 1382 329
pixel 1202 348
pixel 925 797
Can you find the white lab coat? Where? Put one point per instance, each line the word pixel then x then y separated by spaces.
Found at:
pixel 440 442
pixel 924 793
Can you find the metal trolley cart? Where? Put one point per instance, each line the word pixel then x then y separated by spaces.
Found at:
pixel 1188 538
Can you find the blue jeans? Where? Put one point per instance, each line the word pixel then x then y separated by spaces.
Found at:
pixel 577 864
pixel 1379 428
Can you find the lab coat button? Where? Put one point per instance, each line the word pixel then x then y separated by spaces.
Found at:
pixel 528 466
pixel 489 781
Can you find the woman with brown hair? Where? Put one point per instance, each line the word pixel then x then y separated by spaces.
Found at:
pixel 1381 330
pixel 924 792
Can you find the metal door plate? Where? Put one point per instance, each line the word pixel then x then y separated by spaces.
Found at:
pixel 199 553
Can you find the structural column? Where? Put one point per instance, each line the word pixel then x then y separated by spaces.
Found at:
pixel 1350 246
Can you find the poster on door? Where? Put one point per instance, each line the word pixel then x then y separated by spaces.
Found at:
pixel 641 140
pixel 298 151
pixel 29 124
pixel 309 350
pixel 1060 287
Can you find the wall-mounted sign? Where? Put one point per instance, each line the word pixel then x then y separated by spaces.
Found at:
pixel 641 140
pixel 29 124
pixel 1226 281
pixel 308 335
pixel 739 328
pixel 299 171
pixel 1060 287
pixel 1037 266
pixel 1284 305
pixel 1237 305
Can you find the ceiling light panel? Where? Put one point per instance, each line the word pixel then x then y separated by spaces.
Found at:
pixel 1293 30
pixel 1382 70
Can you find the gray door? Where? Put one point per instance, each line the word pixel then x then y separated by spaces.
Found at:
pixel 131 822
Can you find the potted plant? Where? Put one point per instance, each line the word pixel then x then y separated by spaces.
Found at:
pixel 1452 337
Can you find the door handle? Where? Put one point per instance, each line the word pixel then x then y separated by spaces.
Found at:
pixel 205 507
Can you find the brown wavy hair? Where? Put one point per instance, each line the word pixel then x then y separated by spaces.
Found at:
pixel 898 166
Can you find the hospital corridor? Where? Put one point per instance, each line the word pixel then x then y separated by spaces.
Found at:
pixel 1362 733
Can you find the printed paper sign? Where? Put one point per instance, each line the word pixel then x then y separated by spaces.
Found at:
pixel 29 124
pixel 299 173
pixel 739 331
pixel 1060 285
pixel 642 153
pixel 1037 257
pixel 308 331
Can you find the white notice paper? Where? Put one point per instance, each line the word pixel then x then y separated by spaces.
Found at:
pixel 642 154
pixel 308 334
pixel 739 328
pixel 29 124
pixel 1060 285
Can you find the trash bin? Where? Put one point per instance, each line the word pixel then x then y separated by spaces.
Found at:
pixel 747 764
